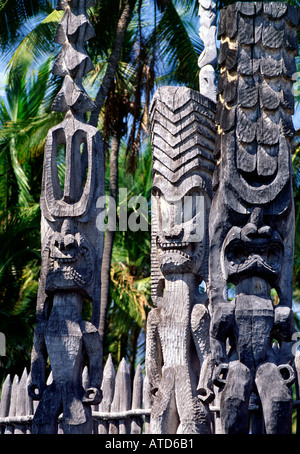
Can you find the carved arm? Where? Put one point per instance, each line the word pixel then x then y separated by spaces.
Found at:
pixel 200 322
pixel 153 351
pixel 283 330
pixel 94 351
pixel 39 355
pixel 221 327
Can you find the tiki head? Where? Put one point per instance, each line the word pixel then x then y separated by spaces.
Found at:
pixel 181 235
pixel 71 261
pixel 182 136
pixel 249 251
pixel 71 243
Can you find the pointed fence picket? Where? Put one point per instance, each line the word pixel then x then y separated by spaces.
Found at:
pixel 122 410
pixel 5 401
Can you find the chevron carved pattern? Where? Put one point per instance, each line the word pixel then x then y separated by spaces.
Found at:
pixel 255 100
pixel 182 138
pixel 182 133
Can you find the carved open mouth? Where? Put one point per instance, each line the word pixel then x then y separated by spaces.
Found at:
pixel 188 250
pixel 173 245
pixel 258 256
pixel 240 256
pixel 77 267
pixel 258 181
pixel 69 269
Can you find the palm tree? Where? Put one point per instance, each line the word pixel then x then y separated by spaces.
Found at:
pixel 138 45
pixel 24 121
pixel 124 60
pixel 130 267
pixel 130 94
pixel 13 15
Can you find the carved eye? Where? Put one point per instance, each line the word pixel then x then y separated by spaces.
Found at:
pixel 193 205
pixel 156 192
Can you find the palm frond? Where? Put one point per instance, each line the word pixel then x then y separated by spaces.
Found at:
pixel 37 43
pixel 127 294
pixel 13 14
pixel 177 49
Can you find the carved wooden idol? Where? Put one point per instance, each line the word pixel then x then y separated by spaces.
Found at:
pixel 208 58
pixel 71 244
pixel 252 216
pixel 177 348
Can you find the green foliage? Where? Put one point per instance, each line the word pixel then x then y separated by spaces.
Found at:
pixel 24 122
pixel 176 48
pixel 161 46
pixel 13 14
pixel 130 270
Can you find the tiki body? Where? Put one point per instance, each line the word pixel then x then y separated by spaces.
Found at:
pixel 177 357
pixel 71 245
pixel 252 220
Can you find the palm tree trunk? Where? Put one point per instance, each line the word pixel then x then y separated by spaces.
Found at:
pixel 113 60
pixel 110 234
pixel 99 100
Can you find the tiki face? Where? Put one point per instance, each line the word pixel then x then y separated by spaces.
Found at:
pixel 71 243
pixel 70 261
pixel 182 138
pixel 180 240
pixel 252 252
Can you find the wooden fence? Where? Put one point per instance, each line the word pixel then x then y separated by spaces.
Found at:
pixel 122 410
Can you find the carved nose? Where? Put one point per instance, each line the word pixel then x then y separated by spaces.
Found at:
pixel 67 233
pixel 67 228
pixel 252 232
pixel 69 241
pixel 173 234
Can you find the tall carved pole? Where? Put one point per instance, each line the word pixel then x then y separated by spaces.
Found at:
pixel 177 348
pixel 71 244
pixel 252 214
pixel 208 59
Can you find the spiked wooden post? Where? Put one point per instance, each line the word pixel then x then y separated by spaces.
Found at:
pixel 207 61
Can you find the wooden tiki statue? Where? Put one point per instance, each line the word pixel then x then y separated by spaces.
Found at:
pixel 71 244
pixel 252 215
pixel 177 349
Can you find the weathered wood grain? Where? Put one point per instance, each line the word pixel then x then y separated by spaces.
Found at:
pixel 5 400
pixel 252 218
pixel 207 60
pixel 71 246
pixel 176 344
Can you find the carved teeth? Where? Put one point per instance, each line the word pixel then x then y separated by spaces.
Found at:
pixel 173 245
pixel 65 265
